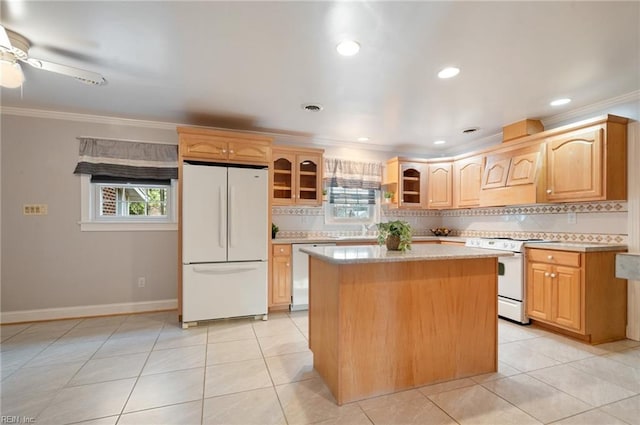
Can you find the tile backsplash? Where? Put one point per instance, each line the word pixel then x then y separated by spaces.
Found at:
pixel 603 222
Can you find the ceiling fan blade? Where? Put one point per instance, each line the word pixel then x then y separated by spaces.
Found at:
pixel 5 43
pixel 82 75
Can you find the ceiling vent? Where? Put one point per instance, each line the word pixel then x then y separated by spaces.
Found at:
pixel 470 130
pixel 312 107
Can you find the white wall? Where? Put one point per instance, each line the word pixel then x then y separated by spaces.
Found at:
pixel 47 262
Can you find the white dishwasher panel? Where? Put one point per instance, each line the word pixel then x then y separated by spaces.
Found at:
pixel 300 290
pixel 216 291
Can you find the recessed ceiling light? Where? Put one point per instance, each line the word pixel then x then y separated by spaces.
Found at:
pixel 449 72
pixel 312 107
pixel 363 139
pixel 559 102
pixel 439 142
pixel 348 47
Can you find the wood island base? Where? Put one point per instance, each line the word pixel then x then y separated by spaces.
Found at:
pixel 377 328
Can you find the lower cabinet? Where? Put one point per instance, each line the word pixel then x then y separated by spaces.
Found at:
pixel 577 293
pixel 280 291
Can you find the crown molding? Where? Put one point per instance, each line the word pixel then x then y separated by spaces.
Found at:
pixel 594 108
pixel 284 138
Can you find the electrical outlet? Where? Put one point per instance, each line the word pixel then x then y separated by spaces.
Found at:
pixel 35 209
pixel 572 217
pixel 142 282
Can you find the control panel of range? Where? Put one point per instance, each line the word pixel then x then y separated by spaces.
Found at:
pixel 498 244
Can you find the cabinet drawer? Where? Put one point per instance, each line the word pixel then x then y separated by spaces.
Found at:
pixel 565 258
pixel 281 250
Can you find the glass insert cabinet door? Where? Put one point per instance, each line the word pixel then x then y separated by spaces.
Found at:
pixel 411 186
pixel 283 180
pixel 308 180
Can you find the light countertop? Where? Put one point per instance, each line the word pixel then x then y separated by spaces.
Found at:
pixel 628 266
pixel 379 254
pixel 361 239
pixel 577 246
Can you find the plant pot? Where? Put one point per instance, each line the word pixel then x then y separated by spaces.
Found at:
pixel 273 235
pixel 393 242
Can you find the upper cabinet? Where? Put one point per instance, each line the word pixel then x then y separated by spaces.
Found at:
pixel 297 176
pixel 467 179
pixel 510 177
pixel 407 179
pixel 440 185
pixel 588 164
pixel 224 146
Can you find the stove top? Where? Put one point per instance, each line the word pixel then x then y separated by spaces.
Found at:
pixel 502 244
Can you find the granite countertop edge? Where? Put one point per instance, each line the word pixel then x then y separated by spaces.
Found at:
pixel 378 254
pixel 577 246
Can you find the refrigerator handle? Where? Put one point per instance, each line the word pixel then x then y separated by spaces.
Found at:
pixel 232 196
pixel 221 214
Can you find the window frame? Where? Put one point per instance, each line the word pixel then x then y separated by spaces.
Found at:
pixel 90 221
pixel 374 211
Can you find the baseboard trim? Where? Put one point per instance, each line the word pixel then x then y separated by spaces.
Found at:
pixel 85 311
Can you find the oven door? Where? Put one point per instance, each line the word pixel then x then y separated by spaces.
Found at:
pixel 511 277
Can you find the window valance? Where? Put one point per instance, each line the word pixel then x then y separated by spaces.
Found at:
pixel 127 160
pixel 352 174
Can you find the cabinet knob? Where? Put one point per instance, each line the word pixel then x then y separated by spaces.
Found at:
pixel 287 264
pixel 549 191
pixel 224 151
pixel 546 274
pixel 549 257
pixel 553 275
pixel 231 151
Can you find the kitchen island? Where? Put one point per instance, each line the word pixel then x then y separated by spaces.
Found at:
pixel 382 321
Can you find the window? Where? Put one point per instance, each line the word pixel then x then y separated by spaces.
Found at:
pixel 119 204
pixel 351 206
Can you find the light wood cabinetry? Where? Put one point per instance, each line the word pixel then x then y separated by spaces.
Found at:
pixel 588 164
pixel 297 176
pixel 224 146
pixel 467 179
pixel 280 288
pixel 576 293
pixel 407 179
pixel 510 177
pixel 439 185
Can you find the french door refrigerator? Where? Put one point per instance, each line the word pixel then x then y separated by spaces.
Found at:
pixel 224 241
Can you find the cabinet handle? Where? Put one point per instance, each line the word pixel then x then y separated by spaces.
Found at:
pixel 287 264
pixel 224 151
pixel 281 249
pixel 549 191
pixel 230 150
pixel 546 274
pixel 553 275
pixel 549 257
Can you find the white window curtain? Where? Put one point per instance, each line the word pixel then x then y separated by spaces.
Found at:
pixel 352 174
pixel 127 160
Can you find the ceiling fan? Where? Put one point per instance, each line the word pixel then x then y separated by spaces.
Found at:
pixel 14 47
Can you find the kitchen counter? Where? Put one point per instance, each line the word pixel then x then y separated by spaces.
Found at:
pixel 381 322
pixel 628 266
pixel 577 246
pixel 380 254
pixel 361 239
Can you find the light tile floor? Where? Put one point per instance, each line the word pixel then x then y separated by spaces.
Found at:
pixel 145 369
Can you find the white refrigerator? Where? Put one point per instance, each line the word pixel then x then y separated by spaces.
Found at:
pixel 225 226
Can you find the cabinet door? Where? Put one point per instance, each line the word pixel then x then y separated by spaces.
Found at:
pixel 523 169
pixel 467 178
pixel 281 280
pixel 439 182
pixel 539 291
pixel 309 179
pixel 496 172
pixel 566 297
pixel 203 147
pixel 574 166
pixel 412 186
pixel 248 152
pixel 284 179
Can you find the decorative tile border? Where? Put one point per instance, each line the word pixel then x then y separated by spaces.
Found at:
pixel 583 207
pixel 586 207
pixel 561 237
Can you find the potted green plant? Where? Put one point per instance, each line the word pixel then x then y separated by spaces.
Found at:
pixel 274 230
pixel 324 194
pixel 388 196
pixel 395 234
